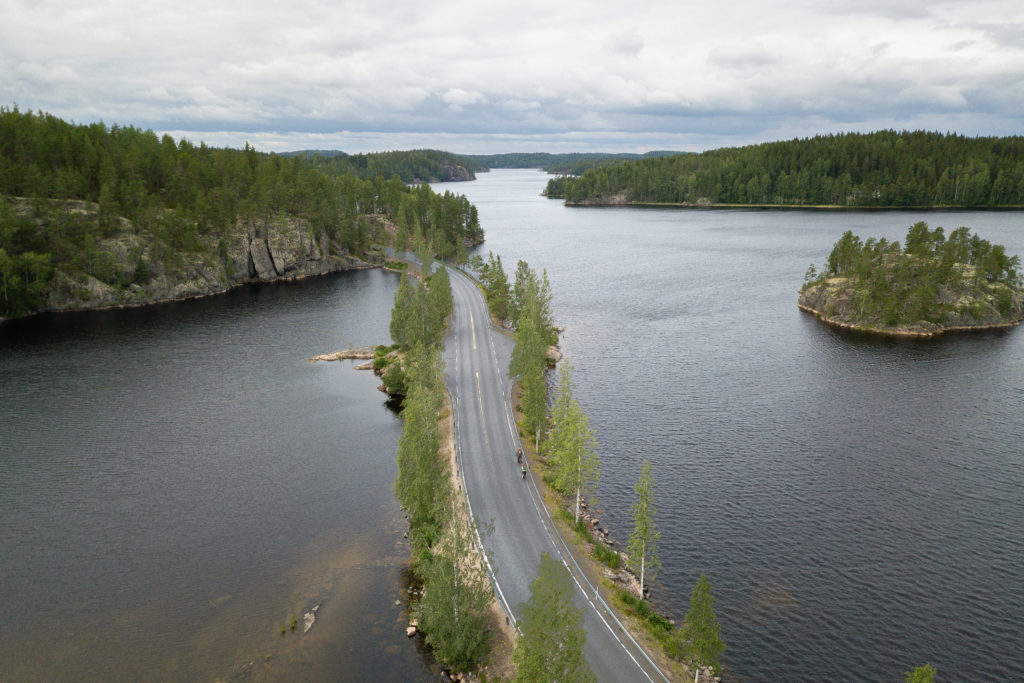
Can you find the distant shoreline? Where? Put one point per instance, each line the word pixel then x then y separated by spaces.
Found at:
pixel 787 207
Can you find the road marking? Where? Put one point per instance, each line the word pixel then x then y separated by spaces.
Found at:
pixel 472 327
pixel 480 403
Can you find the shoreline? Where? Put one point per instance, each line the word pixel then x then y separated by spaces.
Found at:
pixel 195 297
pixel 783 207
pixel 904 333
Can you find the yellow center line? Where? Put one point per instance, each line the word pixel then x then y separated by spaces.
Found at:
pixel 480 403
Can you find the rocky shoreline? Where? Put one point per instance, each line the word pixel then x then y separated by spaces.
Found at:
pixel 361 353
pixel 149 270
pixel 900 331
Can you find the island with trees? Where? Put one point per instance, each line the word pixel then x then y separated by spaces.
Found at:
pixel 930 285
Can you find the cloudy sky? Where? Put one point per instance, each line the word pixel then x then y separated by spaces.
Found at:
pixel 530 75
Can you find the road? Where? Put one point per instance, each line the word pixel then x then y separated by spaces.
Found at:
pixel 476 359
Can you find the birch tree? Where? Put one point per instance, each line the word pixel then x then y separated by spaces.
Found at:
pixel 551 635
pixel 701 633
pixel 643 542
pixel 572 448
pixel 454 608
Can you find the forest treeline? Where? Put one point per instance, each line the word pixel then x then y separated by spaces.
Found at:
pixel 413 166
pixel 69 194
pixel 572 163
pixel 882 169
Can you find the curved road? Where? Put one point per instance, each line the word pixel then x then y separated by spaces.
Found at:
pixel 476 361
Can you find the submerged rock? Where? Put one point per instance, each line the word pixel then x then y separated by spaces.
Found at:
pixel 309 617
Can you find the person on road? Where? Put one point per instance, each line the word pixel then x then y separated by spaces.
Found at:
pixel 524 471
pixel 519 456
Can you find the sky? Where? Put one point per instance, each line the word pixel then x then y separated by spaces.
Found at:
pixel 492 76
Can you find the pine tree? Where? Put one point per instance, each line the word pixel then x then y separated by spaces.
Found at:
pixel 643 542
pixel 701 633
pixel 551 635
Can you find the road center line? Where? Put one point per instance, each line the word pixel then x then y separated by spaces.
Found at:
pixel 480 403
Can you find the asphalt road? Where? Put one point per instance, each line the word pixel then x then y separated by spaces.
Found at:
pixel 476 360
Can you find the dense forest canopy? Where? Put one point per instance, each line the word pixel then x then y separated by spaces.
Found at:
pixel 414 166
pixel 883 169
pixel 961 280
pixel 572 163
pixel 66 188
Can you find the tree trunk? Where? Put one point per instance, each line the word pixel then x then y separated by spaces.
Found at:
pixel 643 562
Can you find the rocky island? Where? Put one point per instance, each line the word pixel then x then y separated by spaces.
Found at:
pixel 932 285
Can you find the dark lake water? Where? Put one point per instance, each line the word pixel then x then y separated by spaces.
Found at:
pixel 177 483
pixel 857 503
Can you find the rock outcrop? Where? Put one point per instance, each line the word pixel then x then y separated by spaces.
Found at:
pixel 968 305
pixel 152 271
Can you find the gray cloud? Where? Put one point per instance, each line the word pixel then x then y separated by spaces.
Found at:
pixel 665 73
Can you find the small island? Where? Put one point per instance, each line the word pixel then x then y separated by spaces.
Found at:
pixel 932 285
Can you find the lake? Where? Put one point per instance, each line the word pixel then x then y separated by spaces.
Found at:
pixel 856 502
pixel 177 483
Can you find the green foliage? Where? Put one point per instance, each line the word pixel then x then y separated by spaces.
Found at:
pixel 531 299
pixel 530 303
pixel 551 635
pixel 643 542
pixel 655 624
pixel 186 199
pixel 528 364
pixel 381 350
pixel 602 553
pixel 420 309
pixel 701 633
pixel 421 486
pixel 413 166
pixel 607 556
pixel 572 449
pixel 897 286
pixel 454 609
pixel 921 674
pixel 405 308
pixel 886 168
pixel 439 295
pixel 572 163
pixel 394 378
pixel 496 287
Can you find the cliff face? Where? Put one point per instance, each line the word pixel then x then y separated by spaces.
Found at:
pixel 147 270
pixel 963 304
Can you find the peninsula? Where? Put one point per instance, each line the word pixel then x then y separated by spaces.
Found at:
pixel 929 286
pixel 95 217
